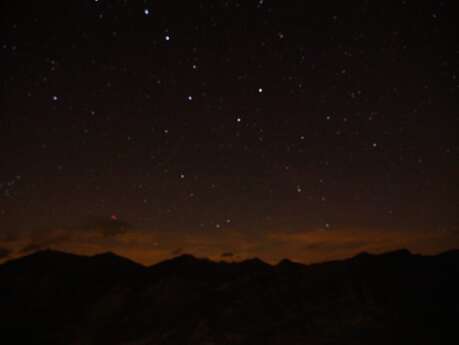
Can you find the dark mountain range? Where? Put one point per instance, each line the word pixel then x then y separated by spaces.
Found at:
pixel 57 298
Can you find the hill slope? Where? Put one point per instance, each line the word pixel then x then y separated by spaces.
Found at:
pixel 395 298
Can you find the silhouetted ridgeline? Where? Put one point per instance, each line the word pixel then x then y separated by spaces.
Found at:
pixel 395 298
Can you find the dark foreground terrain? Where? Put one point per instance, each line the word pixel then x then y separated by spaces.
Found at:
pixel 395 298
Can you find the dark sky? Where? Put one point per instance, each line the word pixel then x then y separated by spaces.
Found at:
pixel 309 130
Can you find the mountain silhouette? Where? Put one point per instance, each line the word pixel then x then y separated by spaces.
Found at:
pixel 52 297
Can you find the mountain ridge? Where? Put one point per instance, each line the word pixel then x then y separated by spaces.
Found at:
pixel 182 258
pixel 57 298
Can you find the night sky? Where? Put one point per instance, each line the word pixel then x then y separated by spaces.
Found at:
pixel 229 129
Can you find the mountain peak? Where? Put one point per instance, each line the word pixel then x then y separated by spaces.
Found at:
pixel 186 259
pixel 255 263
pixel 182 260
pixel 392 254
pixel 286 263
pixel 114 260
pixel 50 254
pixel 107 255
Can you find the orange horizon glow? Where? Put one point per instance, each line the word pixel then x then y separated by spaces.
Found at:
pixel 308 246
